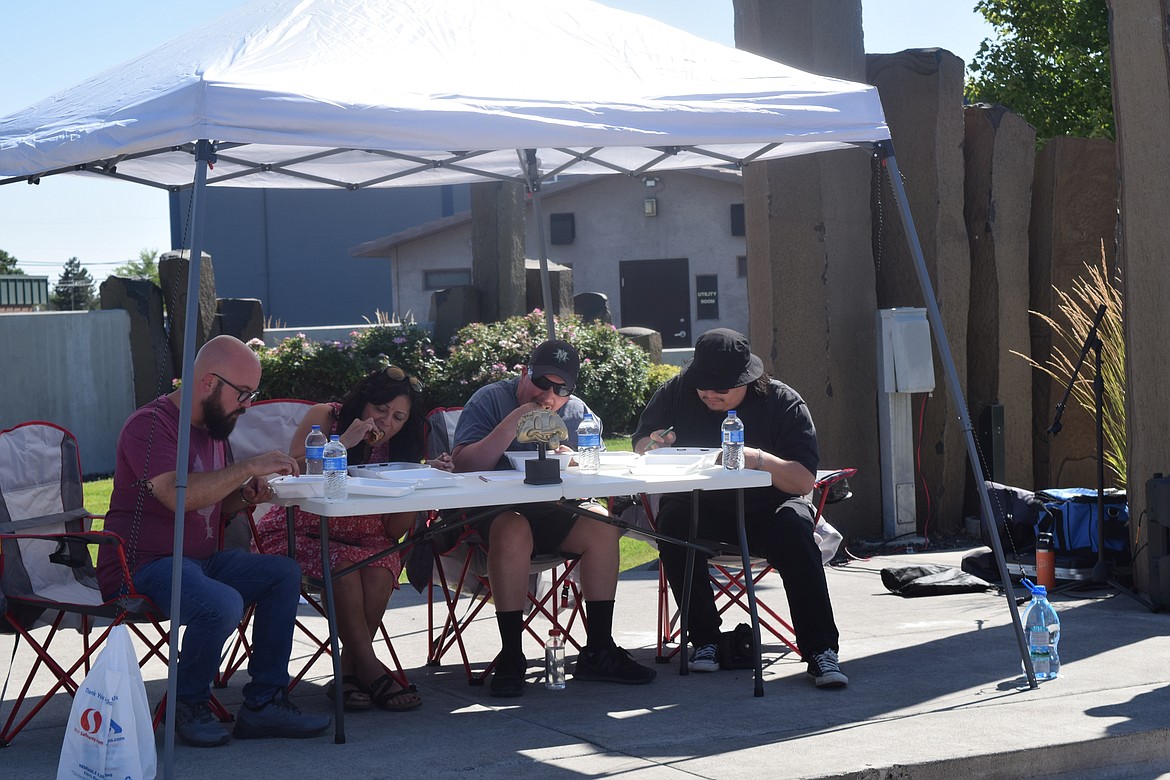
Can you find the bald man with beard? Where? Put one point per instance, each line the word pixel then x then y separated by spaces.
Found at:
pixel 216 583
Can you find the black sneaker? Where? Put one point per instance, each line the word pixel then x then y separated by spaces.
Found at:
pixel 704 659
pixel 611 664
pixel 279 718
pixel 508 679
pixel 196 726
pixel 825 671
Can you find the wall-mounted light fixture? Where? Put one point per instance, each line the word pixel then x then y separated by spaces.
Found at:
pixel 650 207
pixel 650 181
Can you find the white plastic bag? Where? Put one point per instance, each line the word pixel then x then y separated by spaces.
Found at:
pixel 828 540
pixel 109 734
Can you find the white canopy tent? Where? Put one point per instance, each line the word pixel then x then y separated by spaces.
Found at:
pixel 379 93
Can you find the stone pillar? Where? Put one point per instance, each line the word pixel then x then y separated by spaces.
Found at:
pixel 560 282
pixel 810 263
pixel 922 94
pixel 149 353
pixel 1074 215
pixel 1141 97
pixel 999 150
pixel 497 248
pixel 240 317
pixel 172 274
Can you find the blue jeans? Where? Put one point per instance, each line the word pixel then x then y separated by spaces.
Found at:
pixel 214 592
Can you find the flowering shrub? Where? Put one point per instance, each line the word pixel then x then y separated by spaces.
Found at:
pixel 613 372
pixel 613 377
pixel 320 371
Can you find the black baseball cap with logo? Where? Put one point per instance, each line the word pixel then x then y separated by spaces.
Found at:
pixel 557 358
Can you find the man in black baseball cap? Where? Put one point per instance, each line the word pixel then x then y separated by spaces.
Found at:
pixel 779 438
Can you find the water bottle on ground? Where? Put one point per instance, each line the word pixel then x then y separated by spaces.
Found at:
pixel 732 434
pixel 588 445
pixel 335 469
pixel 554 661
pixel 315 451
pixel 1042 632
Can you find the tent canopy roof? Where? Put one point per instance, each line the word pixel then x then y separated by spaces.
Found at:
pixel 362 93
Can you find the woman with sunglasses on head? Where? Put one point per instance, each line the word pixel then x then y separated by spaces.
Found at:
pixel 380 420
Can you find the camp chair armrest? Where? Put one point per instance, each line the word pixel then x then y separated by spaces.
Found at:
pixel 85 537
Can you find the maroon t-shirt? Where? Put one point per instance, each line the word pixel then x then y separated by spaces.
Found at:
pixel 147 447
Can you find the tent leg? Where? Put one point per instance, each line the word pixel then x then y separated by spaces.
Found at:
pixel 886 150
pixel 204 154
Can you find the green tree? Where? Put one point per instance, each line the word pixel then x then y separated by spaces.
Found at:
pixel 1049 63
pixel 8 264
pixel 145 267
pixel 74 289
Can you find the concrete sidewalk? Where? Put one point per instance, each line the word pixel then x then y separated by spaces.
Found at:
pixel 935 691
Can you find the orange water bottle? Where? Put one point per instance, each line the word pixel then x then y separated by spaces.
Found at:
pixel 1045 561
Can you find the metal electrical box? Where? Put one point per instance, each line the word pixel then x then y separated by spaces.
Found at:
pixel 907 364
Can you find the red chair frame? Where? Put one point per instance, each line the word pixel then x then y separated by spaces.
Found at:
pixel 727 577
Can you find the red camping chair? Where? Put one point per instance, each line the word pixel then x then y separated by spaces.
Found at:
pixel 460 574
pixel 270 425
pixel 47 573
pixel 727 577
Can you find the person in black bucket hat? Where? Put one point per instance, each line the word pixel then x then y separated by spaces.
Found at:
pixel 780 438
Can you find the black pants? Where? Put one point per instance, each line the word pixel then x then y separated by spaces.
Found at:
pixel 785 539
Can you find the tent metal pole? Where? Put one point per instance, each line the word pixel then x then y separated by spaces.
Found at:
pixel 532 174
pixel 203 156
pixel 885 150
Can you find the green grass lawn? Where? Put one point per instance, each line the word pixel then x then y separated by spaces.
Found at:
pixel 634 552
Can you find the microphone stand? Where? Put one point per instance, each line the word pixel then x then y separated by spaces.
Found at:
pixel 1102 570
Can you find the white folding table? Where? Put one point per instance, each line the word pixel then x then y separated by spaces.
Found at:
pixel 507 488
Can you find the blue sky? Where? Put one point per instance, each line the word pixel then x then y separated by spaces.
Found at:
pixel 50 46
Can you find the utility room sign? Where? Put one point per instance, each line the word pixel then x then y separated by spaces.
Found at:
pixel 707 297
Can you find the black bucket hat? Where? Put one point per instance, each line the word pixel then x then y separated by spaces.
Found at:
pixel 723 359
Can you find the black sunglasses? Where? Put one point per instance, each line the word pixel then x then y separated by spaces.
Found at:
pixel 396 374
pixel 246 396
pixel 544 383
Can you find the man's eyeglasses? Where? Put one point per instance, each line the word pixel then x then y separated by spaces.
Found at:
pixel 544 383
pixel 246 396
pixel 396 374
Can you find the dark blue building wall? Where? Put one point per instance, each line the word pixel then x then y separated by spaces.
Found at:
pixel 290 248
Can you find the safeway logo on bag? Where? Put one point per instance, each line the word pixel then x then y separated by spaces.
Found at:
pixel 90 721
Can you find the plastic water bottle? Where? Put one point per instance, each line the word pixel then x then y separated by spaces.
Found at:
pixel 1042 632
pixel 335 468
pixel 732 434
pixel 315 451
pixel 554 661
pixel 588 445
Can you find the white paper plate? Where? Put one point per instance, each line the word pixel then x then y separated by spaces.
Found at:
pixel 423 479
pixel 517 457
pixel 618 461
pixel 665 461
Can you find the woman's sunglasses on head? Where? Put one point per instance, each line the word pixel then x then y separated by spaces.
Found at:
pixel 396 374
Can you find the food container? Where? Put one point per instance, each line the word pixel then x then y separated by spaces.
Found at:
pixel 517 457
pixel 304 486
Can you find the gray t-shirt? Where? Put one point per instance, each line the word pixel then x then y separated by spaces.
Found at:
pixel 492 403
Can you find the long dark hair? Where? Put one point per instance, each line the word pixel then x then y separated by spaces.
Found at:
pixel 378 388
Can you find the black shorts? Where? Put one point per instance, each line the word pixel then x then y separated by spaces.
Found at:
pixel 550 523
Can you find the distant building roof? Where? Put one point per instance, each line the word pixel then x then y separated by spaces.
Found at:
pixel 21 292
pixel 384 246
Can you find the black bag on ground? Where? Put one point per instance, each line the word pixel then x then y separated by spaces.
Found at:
pixel 1018 512
pixel 736 649
pixel 931 579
